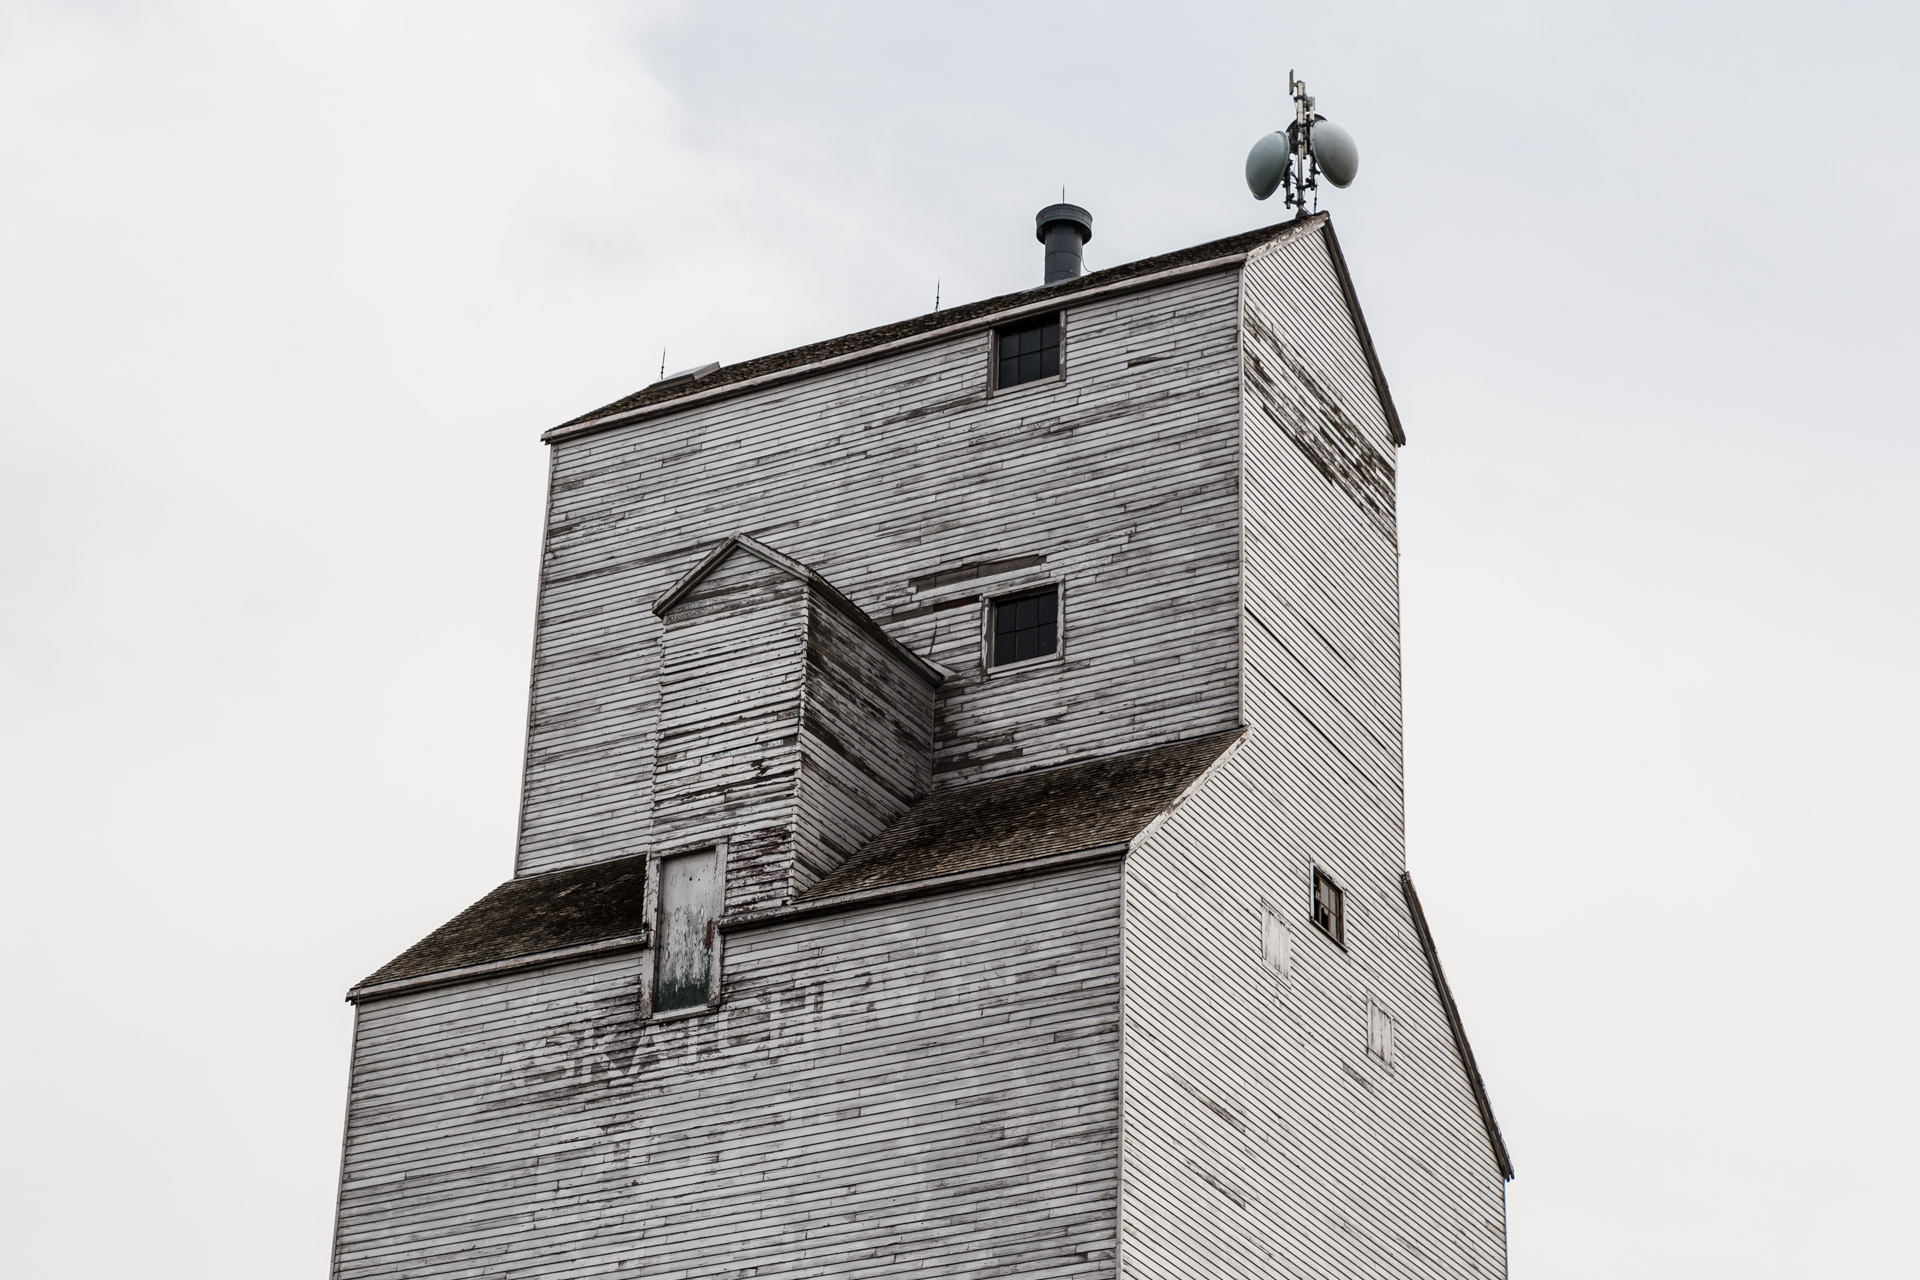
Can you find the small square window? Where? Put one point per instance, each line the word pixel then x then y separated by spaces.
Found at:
pixel 1028 352
pixel 1026 626
pixel 1329 906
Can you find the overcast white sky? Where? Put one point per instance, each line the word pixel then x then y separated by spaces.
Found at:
pixel 287 293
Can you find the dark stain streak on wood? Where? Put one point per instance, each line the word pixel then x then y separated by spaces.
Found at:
pixel 1314 421
pixel 925 410
pixel 1215 1183
pixel 968 573
pixel 941 606
pixel 1314 725
pixel 1107 413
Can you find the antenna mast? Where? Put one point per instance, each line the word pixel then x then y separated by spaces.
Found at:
pixel 1303 174
pixel 1295 158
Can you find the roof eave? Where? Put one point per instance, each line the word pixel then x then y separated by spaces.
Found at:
pixel 1499 1144
pixel 1361 332
pixel 1027 302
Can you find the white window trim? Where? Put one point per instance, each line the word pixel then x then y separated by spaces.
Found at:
pixel 1045 660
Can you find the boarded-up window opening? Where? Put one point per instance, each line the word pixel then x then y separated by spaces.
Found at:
pixel 686 932
pixel 1329 906
pixel 1276 944
pixel 1380 1031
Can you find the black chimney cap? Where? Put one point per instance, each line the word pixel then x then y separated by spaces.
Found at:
pixel 1072 214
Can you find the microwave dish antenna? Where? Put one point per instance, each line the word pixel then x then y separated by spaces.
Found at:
pixel 1295 158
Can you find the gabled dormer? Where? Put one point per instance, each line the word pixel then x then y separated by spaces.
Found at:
pixel 793 728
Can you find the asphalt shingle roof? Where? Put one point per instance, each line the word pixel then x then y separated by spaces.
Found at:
pixel 1029 815
pixel 990 824
pixel 534 914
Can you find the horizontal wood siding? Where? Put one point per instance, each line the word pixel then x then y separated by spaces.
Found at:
pixel 925 1087
pixel 917 493
pixel 727 759
pixel 1260 1138
pixel 866 740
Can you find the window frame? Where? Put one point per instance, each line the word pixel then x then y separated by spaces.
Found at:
pixel 655 901
pixel 990 608
pixel 1338 933
pixel 994 386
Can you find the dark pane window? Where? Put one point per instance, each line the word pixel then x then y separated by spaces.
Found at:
pixel 1329 906
pixel 1026 626
pixel 1029 352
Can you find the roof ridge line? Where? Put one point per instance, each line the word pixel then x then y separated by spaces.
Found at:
pixel 1233 250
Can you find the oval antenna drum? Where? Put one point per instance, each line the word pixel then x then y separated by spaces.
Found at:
pixel 1295 158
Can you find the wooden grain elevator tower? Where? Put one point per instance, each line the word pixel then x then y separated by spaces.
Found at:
pixel 962 826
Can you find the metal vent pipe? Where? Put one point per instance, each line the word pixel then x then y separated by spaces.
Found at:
pixel 1064 229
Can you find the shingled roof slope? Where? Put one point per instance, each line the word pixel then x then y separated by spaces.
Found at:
pixel 531 915
pixel 950 318
pixel 1029 815
pixel 990 824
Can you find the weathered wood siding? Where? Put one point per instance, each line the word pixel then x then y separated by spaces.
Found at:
pixel 787 729
pixel 1260 1138
pixel 926 1087
pixel 866 740
pixel 916 492
pixel 727 762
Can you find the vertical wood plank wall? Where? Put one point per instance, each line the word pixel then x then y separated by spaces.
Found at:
pixel 916 492
pixel 1259 1136
pixel 928 1087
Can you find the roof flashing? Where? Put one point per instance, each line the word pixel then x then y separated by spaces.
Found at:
pixel 694 374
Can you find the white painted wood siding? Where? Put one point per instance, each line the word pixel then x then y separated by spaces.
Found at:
pixel 1120 480
pixel 732 661
pixel 923 1087
pixel 787 729
pixel 866 740
pixel 1260 1138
